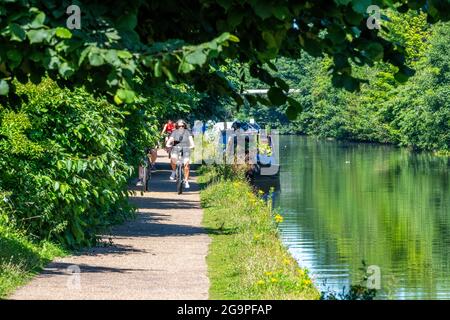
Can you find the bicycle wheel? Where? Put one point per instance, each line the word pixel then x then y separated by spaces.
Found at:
pixel 179 178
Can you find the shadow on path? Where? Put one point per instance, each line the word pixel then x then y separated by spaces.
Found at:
pixel 64 268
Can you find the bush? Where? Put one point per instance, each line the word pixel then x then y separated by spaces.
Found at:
pixel 61 164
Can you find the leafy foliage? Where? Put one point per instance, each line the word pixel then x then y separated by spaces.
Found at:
pixel 61 164
pixel 186 42
pixel 78 107
pixel 414 114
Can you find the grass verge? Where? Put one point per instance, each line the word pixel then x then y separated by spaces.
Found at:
pixel 21 259
pixel 246 258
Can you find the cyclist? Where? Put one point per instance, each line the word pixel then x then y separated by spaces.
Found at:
pixel 181 139
pixel 167 130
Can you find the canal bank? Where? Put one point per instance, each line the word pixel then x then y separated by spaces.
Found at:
pixel 246 258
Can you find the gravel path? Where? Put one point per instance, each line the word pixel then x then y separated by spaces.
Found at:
pixel 160 255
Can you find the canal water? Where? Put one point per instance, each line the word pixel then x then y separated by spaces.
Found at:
pixel 346 202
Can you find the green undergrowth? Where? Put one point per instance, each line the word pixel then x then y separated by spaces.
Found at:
pixel 246 258
pixel 21 258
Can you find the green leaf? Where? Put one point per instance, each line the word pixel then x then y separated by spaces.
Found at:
pixel 235 18
pixel 14 55
pixel 17 33
pixel 37 36
pixel 291 112
pixel 281 12
pixel 124 54
pixel 60 164
pixel 64 188
pixel 168 74
pixel 374 51
pixel 196 57
pixel 80 166
pixel 56 186
pixel 38 21
pixel 63 33
pixel 158 69
pixel 127 21
pixel 69 165
pixel 269 38
pixel 112 58
pixel 276 96
pixel 222 38
pixel 112 80
pixel 282 84
pixel 186 67
pixel 233 38
pixel 360 6
pixel 95 58
pixel 263 10
pixel 294 103
pixel 4 88
pixel 113 36
pixel 263 100
pixel 66 70
pixel 117 100
pixel 83 55
pixel 147 61
pixel 126 95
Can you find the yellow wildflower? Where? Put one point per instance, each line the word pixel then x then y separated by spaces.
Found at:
pixel 307 282
pixel 260 282
pixel 278 218
pixel 301 272
pixel 268 273
pixel 273 280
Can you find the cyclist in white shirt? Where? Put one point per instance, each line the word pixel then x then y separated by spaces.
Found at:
pixel 181 139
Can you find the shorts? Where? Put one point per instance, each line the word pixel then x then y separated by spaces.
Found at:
pixel 174 154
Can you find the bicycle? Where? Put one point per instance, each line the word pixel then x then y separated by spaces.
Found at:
pixel 179 172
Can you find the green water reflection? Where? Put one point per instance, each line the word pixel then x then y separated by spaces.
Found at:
pixel 344 202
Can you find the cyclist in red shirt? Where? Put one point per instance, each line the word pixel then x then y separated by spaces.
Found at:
pixel 169 127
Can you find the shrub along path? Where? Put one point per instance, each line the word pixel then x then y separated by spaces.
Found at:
pixel 160 255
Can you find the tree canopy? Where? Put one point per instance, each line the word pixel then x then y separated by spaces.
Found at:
pixel 121 44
